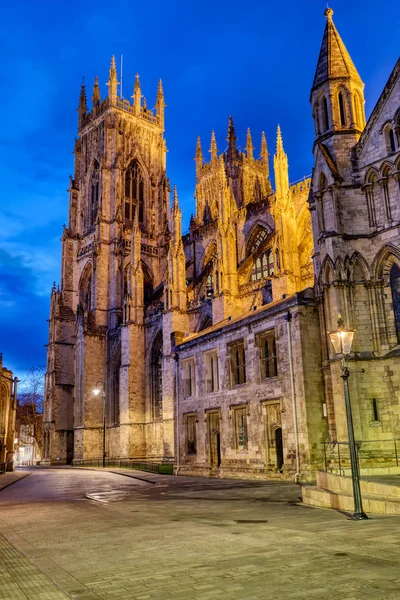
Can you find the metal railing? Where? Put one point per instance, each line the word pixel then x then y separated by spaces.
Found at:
pixel 126 463
pixel 369 455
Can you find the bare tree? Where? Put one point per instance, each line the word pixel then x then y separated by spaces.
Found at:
pixel 30 407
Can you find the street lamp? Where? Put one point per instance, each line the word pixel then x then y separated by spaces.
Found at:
pixel 101 391
pixel 341 340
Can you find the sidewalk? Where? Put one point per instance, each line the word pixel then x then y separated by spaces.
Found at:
pixel 9 478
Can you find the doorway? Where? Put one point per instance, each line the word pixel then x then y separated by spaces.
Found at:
pixel 214 437
pixel 279 448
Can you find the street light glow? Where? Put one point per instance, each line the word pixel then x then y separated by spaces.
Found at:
pixel 96 391
pixel 342 338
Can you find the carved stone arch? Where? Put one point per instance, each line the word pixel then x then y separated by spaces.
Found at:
pixel 372 175
pixel 257 237
pixel 327 271
pixel 209 253
pixel 340 269
pixel 359 268
pixel 397 162
pixel 86 286
pixel 387 269
pixel 386 169
pixel 384 260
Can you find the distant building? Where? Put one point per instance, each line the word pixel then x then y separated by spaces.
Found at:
pixel 213 346
pixel 8 401
pixel 29 430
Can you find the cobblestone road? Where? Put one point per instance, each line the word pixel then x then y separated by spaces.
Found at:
pixel 100 535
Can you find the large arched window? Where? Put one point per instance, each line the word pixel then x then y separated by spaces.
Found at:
pixel 156 376
pixel 134 192
pixel 263 266
pixel 94 194
pixel 257 238
pixel 113 392
pixel 395 287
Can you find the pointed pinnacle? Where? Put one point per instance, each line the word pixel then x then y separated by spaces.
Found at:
pixel 231 131
pixel 82 97
pixel 279 141
pixel 213 147
pixel 264 148
pixel 249 144
pixel 328 13
pixel 137 83
pixel 160 91
pixel 96 90
pixel 113 69
pixel 199 151
pixel 175 203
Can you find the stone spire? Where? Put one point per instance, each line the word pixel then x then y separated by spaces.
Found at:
pixel 176 219
pixel 231 139
pixel 160 104
pixel 112 81
pixel 334 61
pixel 96 93
pixel 199 156
pixel 213 147
pixel 249 144
pixel 281 169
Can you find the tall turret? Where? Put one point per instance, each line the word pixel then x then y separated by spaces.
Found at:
pixel 337 96
pixel 231 139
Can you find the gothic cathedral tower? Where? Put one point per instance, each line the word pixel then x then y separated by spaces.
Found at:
pixel 114 260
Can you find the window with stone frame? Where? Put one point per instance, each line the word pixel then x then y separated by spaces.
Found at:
pixel 189 378
pixel 134 192
pixel 237 362
pixel 263 266
pixel 191 434
pixel 240 426
pixel 268 357
pixel 94 192
pixel 211 372
pixel 395 288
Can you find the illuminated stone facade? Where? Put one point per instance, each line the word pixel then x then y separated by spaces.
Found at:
pixel 355 206
pixel 212 346
pixel 8 404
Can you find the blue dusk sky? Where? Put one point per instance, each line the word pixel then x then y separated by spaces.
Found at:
pixel 254 60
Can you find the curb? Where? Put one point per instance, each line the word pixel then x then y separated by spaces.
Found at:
pixel 15 481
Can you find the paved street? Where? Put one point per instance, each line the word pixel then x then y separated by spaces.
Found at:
pixel 89 534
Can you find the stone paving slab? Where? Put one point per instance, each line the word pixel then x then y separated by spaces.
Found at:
pixel 20 579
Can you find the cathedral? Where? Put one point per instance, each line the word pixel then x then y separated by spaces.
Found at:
pixel 211 349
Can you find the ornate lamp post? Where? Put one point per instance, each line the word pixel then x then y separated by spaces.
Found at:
pixel 102 392
pixel 341 340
